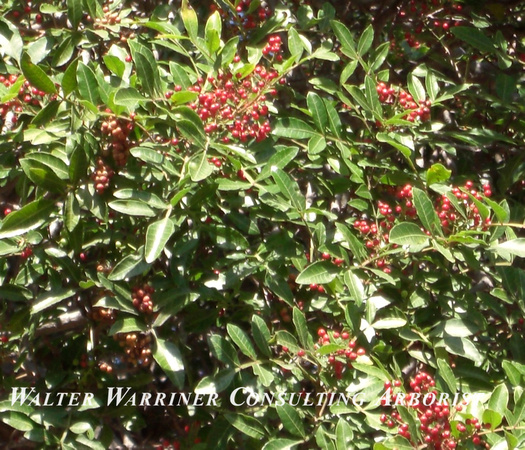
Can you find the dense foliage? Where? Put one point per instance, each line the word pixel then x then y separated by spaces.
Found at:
pixel 320 200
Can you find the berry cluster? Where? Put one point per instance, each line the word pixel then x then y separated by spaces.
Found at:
pixel 110 17
pixel 344 355
pixel 433 413
pixel 235 107
pixel 245 17
pixel 26 252
pixel 103 315
pixel 19 14
pixel 118 130
pixel 27 95
pixel 399 97
pixel 449 216
pixel 142 298
pixel 137 348
pixel 102 176
pixel 273 47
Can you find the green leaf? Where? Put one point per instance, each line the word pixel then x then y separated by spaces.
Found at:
pixel 343 434
pixel 58 166
pixel 514 247
pixel 212 32
pixel 345 38
pixel 426 212
pixel 438 173
pixel 365 41
pixel 169 358
pixel 146 67
pixel 199 167
pixel 69 80
pixel 87 84
pixel 407 234
pixel 389 322
pixel 460 328
pixel 299 320
pixel 11 43
pixel 229 51
pixel 291 420
pixel 18 421
pixel 42 176
pixel 281 444
pixel 75 11
pixel 334 120
pixel 261 335
pixel 355 286
pixel 48 299
pixel 287 340
pixel 318 110
pixel 128 97
pixel 215 384
pixel 241 339
pixel 78 164
pixel 280 160
pixel 474 37
pixel 372 96
pixel 29 217
pixel 36 76
pixel 148 155
pixel 189 18
pixel 505 87
pixel 132 208
pixel 247 425
pixel 492 417
pixel 127 325
pixel 432 86
pixel 416 88
pixel 293 128
pixel 289 189
pixel 463 347
pixel 115 65
pixel 223 350
pixel 71 212
pixel 499 399
pixel 265 376
pixel 514 371
pixel 157 236
pixel 128 267
pixel 295 44
pixel 446 373
pixel 372 371
pixel 320 272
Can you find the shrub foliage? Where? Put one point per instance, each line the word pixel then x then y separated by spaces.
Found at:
pixel 239 199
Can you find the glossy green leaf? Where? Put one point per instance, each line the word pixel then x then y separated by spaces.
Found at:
pixel 365 41
pixel 69 80
pixel 36 76
pixel 215 384
pixel 318 110
pixel 87 84
pixel 228 52
pixel 289 189
pixel 438 173
pixel 241 339
pixel 169 358
pixel 426 212
pixel 157 236
pixel 460 328
pixel 499 399
pixel 447 374
pixel 287 340
pixel 320 272
pixel 261 335
pixel 246 424
pixel 416 88
pixel 223 350
pixel 474 37
pixel 146 67
pixel 514 371
pixel 128 97
pixel 128 267
pixel 514 247
pixel 132 208
pixel 299 321
pixel 127 325
pixel 407 234
pixel 200 168
pixel 31 216
pixel 189 18
pixel 75 11
pixel 389 322
pixel 345 38
pixel 291 420
pixel 71 212
pixel 212 32
pixel 281 444
pixel 48 299
pixel 355 286
pixel 292 128
pixel 343 434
